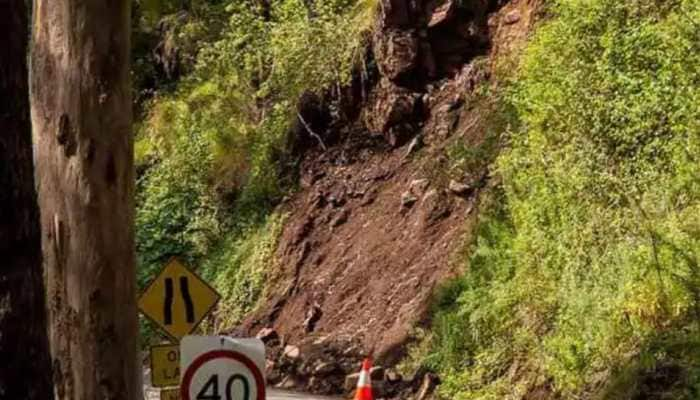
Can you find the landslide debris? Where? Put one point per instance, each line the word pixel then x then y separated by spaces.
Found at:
pixel 380 213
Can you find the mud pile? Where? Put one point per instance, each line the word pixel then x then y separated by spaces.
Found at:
pixel 379 216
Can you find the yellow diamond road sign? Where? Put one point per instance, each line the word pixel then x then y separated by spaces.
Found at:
pixel 178 300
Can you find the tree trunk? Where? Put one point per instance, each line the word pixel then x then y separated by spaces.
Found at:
pixel 25 370
pixel 81 114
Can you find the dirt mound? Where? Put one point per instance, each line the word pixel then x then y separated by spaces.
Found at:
pixel 366 244
pixel 373 230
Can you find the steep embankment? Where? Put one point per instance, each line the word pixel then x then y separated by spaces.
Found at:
pixel 383 212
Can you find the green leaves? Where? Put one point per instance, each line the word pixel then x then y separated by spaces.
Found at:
pixel 600 185
pixel 212 152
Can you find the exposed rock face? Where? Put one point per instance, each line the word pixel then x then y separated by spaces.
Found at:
pixel 396 52
pixel 395 14
pixel 442 13
pixel 421 40
pixel 390 112
pixel 416 43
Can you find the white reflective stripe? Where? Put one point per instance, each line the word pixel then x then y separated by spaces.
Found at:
pixel 364 380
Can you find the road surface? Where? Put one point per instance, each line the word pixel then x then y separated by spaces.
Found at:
pixel 272 394
pixel 280 395
pixel 151 393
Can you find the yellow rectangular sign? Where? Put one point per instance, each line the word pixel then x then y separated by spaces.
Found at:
pixel 170 394
pixel 165 365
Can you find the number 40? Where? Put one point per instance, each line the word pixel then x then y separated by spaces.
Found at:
pixel 210 391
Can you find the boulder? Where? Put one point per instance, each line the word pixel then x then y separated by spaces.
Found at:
pixel 376 374
pixel 393 376
pixel 419 185
pixel 268 335
pixel 394 14
pixel 351 382
pixel 325 368
pixel 442 13
pixel 272 373
pixel 512 17
pixel 340 219
pixel 312 316
pixel 459 188
pixel 288 383
pixel 434 207
pixel 291 352
pixel 390 107
pixel 430 382
pixel 396 52
pixel 415 145
pixel 408 199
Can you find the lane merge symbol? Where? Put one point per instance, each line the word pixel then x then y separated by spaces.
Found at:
pixel 177 300
pixel 168 306
pixel 222 368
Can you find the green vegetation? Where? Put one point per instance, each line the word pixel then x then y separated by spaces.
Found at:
pixel 584 281
pixel 213 151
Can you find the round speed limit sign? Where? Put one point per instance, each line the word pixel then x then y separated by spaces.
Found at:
pixel 222 372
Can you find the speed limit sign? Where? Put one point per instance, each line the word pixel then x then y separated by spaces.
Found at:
pixel 222 368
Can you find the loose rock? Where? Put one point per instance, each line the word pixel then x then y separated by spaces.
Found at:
pixel 459 188
pixel 288 383
pixel 396 52
pixel 512 17
pixel 392 376
pixel 376 374
pixel 390 108
pixel 340 219
pixel 408 199
pixel 292 352
pixel 268 335
pixel 419 185
pixel 325 368
pixel 442 14
pixel 312 316
pixel 430 382
pixel 351 382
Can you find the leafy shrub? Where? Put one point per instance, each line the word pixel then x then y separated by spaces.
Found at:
pixel 593 265
pixel 241 266
pixel 211 152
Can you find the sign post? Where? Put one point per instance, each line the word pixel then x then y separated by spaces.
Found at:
pixel 170 394
pixel 219 367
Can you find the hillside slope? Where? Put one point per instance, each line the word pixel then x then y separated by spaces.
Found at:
pixel 383 214
pixel 439 184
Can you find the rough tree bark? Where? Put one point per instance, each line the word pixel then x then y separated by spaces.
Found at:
pixel 81 114
pixel 25 370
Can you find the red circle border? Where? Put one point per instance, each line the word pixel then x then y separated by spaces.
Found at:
pixel 229 354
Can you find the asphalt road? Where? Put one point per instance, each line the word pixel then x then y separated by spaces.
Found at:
pixel 152 393
pixel 272 394
pixel 280 395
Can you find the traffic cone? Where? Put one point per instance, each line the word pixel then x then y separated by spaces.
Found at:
pixel 364 384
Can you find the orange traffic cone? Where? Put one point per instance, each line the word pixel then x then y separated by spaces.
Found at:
pixel 364 384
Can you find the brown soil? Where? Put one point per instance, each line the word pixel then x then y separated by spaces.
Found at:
pixel 355 259
pixel 371 275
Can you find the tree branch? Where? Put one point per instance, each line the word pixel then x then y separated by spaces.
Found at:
pixel 311 132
